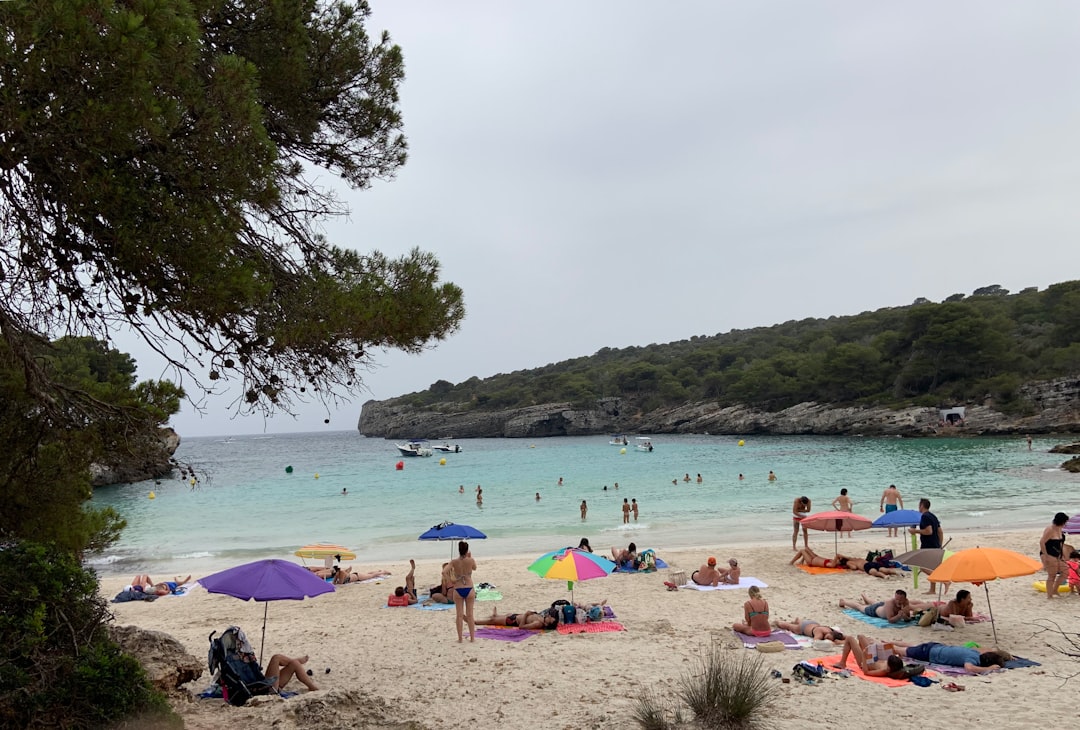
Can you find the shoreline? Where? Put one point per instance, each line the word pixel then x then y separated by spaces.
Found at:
pixel 425 551
pixel 375 654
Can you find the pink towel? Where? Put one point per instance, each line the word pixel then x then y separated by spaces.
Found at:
pixel 597 627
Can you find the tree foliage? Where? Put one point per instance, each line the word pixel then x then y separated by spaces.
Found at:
pixel 155 158
pixel 961 350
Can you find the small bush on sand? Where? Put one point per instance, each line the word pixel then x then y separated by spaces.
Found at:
pixel 650 712
pixel 730 689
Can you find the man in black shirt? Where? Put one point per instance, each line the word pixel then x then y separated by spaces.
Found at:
pixel 929 529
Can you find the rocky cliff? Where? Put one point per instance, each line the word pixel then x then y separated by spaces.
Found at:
pixel 1055 408
pixel 150 462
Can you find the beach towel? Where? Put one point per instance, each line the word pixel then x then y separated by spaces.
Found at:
pixel 853 667
pixel 431 606
pixel 504 633
pixel 488 594
pixel 877 620
pixel 816 570
pixel 789 641
pixel 598 627
pixel 744 582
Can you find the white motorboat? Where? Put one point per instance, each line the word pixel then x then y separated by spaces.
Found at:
pixel 644 443
pixel 619 440
pixel 415 447
pixel 447 448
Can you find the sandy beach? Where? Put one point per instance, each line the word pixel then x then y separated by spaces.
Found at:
pixel 389 667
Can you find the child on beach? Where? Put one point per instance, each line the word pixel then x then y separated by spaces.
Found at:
pixel 1074 572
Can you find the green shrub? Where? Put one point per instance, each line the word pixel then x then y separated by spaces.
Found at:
pixel 650 712
pixel 59 667
pixel 730 689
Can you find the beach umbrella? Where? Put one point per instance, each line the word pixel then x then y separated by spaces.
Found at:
pixel 453 532
pixel 327 551
pixel 926 558
pixel 267 580
pixel 1072 527
pixel 981 565
pixel 571 565
pixel 836 521
pixel 899 518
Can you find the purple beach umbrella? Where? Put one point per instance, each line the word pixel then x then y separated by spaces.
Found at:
pixel 1072 527
pixel 267 580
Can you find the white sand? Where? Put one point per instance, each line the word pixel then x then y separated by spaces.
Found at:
pixel 412 660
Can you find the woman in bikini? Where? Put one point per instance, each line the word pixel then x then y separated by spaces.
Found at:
pixel 809 557
pixel 755 615
pixel 528 620
pixel 461 568
pixel 806 627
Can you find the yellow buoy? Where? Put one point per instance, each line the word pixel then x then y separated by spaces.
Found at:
pixel 316 475
pixel 622 451
pixel 742 443
pixel 154 496
pixel 442 461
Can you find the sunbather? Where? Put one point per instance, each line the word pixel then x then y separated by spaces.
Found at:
pixel 707 574
pixel 872 567
pixel 527 620
pixel 348 575
pixel 977 661
pixel 755 615
pixel 806 627
pixel 144 583
pixel 625 558
pixel 894 610
pixel 958 609
pixel 891 666
pixel 405 595
pixel 281 669
pixel 732 573
pixel 809 557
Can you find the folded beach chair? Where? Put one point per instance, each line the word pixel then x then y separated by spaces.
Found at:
pixel 234 667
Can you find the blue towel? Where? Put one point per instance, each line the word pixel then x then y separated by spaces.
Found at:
pixel 875 620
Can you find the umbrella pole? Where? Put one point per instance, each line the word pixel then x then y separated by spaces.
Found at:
pixel 262 642
pixel 986 587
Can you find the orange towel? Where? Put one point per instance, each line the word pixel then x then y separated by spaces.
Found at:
pixel 598 627
pixel 815 570
pixel 829 661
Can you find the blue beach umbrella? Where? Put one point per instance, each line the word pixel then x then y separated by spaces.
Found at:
pixel 453 532
pixel 898 518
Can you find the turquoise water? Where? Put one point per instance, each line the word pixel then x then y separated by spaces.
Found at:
pixel 245 506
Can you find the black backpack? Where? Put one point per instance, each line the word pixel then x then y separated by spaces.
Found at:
pixel 236 671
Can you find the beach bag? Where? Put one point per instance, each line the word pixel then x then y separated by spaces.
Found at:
pixel 808 670
pixel 569 614
pixel 596 613
pixel 237 672
pixel 879 556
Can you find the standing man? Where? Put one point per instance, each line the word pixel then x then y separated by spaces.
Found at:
pixel 929 529
pixel 633 507
pixel 890 502
pixel 843 503
pixel 930 536
pixel 625 511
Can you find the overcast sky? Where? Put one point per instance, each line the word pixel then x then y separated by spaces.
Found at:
pixel 607 174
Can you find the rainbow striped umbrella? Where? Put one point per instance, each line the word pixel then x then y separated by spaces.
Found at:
pixel 571 565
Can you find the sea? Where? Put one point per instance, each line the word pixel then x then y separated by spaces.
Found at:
pixel 262 496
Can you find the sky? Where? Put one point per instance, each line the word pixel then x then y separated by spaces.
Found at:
pixel 610 174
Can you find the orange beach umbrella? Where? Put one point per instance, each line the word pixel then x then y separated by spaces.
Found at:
pixel 982 565
pixel 327 551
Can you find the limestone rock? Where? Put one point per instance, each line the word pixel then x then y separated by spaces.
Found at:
pixel 165 660
pixel 1054 407
pixel 152 462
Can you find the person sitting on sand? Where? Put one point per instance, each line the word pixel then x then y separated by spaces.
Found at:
pixel 405 595
pixel 809 557
pixel 731 574
pixel 441 592
pixel 281 669
pixel 892 666
pixel 894 610
pixel 755 615
pixel 958 609
pixel 145 584
pixel 625 558
pixel 707 575
pixel 813 629
pixel 976 661
pixel 530 620
pixel 584 545
pixel 348 575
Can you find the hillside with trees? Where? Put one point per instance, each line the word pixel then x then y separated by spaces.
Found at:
pixel 964 349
